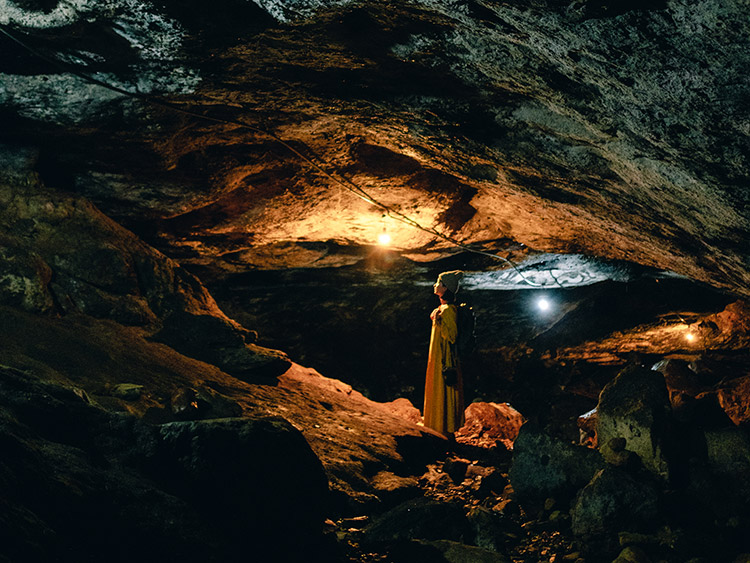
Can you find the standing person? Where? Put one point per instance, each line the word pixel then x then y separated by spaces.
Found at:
pixel 443 394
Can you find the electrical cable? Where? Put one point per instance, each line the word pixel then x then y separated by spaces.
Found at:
pixel 332 174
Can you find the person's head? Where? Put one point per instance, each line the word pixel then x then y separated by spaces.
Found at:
pixel 448 280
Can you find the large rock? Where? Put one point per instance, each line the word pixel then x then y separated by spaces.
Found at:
pixel 679 378
pixel 614 501
pixel 490 424
pixel 81 484
pixel 68 496
pixel 734 398
pixel 547 467
pixel 258 477
pixel 728 456
pixel 635 406
pixel 421 519
pixel 62 255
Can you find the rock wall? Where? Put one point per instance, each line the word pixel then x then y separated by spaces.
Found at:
pixel 61 255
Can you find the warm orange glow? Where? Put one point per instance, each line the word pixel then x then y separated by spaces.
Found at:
pixel 689 337
pixel 384 239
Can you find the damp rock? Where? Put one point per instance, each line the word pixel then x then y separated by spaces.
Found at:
pixel 241 471
pixel 635 406
pixel 545 467
pixel 614 500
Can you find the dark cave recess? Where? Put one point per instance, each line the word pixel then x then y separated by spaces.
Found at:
pixel 369 325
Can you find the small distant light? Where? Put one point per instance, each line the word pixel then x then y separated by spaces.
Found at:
pixel 384 239
pixel 689 337
pixel 543 304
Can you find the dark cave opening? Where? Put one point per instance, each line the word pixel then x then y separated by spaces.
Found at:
pixel 369 327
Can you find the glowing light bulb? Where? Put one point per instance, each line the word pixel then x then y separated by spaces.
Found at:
pixel 384 239
pixel 543 304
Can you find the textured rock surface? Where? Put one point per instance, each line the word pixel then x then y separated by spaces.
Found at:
pixel 728 453
pixel 614 500
pixel 545 467
pixel 354 438
pixel 611 130
pixel 198 459
pixel 61 255
pixel 635 406
pixel 419 519
pixel 491 424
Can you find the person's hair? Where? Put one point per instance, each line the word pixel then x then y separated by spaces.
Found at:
pixel 448 296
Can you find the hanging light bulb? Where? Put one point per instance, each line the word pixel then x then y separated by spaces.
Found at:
pixel 384 238
pixel 544 304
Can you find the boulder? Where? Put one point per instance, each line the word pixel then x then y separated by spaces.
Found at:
pixel 220 341
pixel 614 501
pixel 404 408
pixel 488 481
pixel 635 406
pixel 734 398
pixel 456 468
pixel 422 519
pixel 81 484
pixel 490 424
pixel 546 467
pixel 71 488
pixel 680 379
pixel 728 453
pixel 258 474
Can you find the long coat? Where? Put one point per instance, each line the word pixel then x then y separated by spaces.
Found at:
pixel 443 404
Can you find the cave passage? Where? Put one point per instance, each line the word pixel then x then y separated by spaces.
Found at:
pixel 369 326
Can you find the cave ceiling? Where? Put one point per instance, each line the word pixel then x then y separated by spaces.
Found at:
pixel 239 135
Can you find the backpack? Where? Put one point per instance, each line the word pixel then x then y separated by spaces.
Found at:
pixel 465 339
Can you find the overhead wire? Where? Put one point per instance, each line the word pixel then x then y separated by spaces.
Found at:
pixel 329 170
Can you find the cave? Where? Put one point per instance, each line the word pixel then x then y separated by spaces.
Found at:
pixel 221 229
